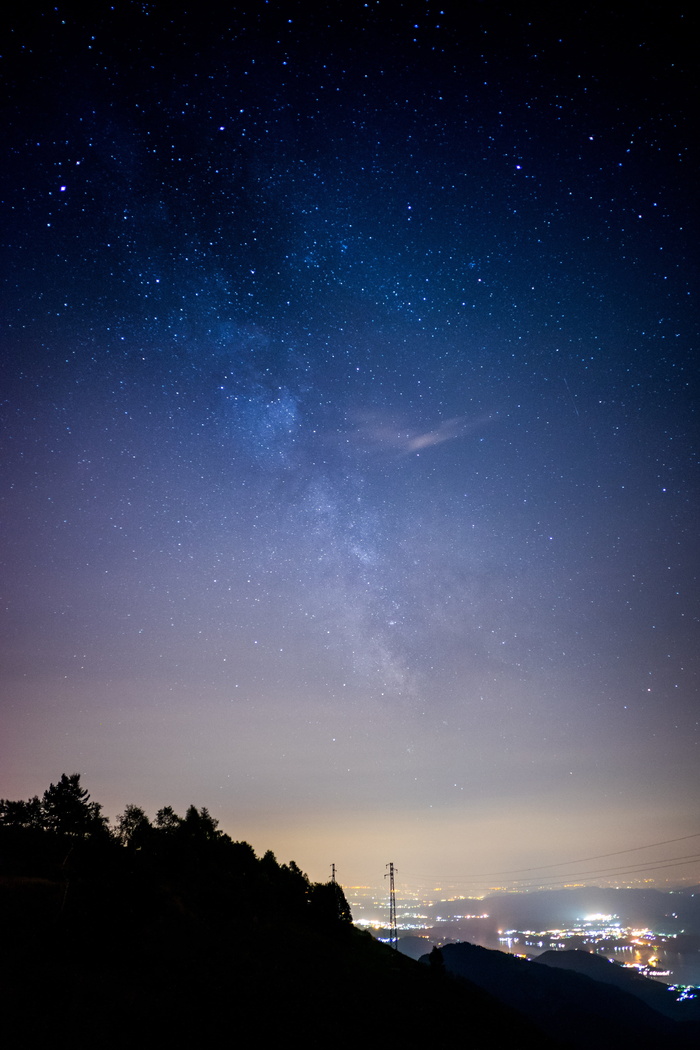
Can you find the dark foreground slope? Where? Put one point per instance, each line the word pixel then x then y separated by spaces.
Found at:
pixel 566 1004
pixel 195 944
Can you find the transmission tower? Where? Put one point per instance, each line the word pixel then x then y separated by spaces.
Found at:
pixel 333 874
pixel 393 937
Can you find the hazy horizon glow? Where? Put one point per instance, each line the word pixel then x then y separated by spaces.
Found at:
pixel 349 462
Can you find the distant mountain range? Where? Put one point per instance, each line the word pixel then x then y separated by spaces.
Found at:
pixel 598 968
pixel 578 998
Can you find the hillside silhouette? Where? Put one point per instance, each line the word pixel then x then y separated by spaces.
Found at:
pixel 168 932
pixel 563 1000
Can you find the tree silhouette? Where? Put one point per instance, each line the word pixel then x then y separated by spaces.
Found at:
pixel 67 810
pixel 329 906
pixel 167 819
pixel 199 825
pixel 22 814
pixel 436 962
pixel 133 827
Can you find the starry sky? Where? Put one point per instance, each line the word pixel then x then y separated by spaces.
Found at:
pixel 349 461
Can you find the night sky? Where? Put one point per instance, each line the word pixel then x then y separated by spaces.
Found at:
pixel 349 460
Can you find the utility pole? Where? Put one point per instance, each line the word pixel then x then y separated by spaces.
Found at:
pixel 393 936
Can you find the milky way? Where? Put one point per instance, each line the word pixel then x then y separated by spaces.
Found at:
pixel 349 460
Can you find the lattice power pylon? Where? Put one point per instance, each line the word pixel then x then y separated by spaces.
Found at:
pixel 393 936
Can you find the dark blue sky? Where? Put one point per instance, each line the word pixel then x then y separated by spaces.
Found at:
pixel 349 426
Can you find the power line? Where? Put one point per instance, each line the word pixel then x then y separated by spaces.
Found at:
pixel 557 864
pixel 610 872
pixel 567 877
